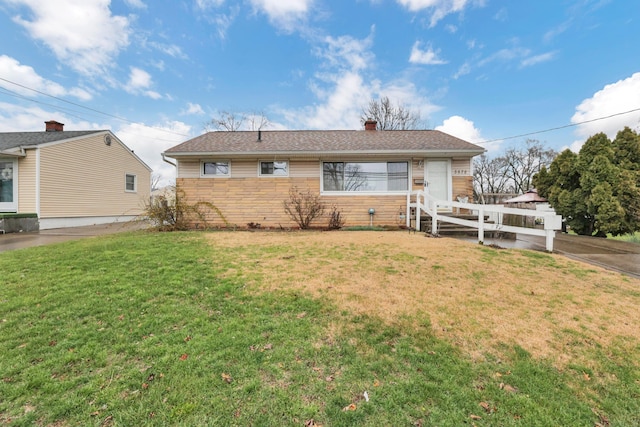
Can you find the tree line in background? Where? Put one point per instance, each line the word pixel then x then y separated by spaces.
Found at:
pixel 510 173
pixel 597 190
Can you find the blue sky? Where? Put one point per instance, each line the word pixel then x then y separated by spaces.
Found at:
pixel 154 72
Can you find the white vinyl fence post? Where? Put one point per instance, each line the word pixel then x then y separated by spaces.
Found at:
pixel 481 225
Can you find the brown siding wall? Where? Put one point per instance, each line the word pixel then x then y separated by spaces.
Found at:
pixel 245 200
pixel 85 177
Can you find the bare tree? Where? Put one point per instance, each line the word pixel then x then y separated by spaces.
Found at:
pixel 523 163
pixel 489 178
pixel 389 116
pixel 512 172
pixel 232 122
pixel 155 181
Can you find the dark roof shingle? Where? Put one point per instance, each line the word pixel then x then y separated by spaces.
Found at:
pixel 322 141
pixel 10 140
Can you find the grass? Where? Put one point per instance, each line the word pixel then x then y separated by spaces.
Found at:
pixel 292 329
pixel 631 238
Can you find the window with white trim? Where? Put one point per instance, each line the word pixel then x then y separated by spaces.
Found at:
pixel 365 176
pixel 130 183
pixel 215 168
pixel 275 168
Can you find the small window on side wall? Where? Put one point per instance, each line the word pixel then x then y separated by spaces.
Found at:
pixel 130 183
pixel 276 168
pixel 215 169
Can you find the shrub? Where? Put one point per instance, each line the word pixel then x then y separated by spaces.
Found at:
pixel 171 212
pixel 303 206
pixel 336 221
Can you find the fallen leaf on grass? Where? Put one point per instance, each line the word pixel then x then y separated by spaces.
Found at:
pixel 586 376
pixel 300 316
pixel 329 378
pixel 351 407
pixel 268 347
pixel 376 383
pixel 487 407
pixel 151 377
pixel 145 386
pixel 226 378
pixel 184 356
pixel 508 388
pixel 475 417
pixel 187 338
pixel 311 423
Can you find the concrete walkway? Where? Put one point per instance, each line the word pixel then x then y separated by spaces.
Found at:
pixel 611 254
pixel 13 241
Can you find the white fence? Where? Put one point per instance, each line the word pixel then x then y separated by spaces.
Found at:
pixel 424 202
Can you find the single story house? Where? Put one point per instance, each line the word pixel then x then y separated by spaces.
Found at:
pixel 247 175
pixel 71 178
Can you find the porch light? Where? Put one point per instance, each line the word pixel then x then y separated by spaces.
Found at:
pixel 371 212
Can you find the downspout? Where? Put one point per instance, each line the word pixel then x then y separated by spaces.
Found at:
pixel 38 183
pixel 168 161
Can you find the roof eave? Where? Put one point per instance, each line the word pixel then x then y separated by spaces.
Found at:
pixel 334 153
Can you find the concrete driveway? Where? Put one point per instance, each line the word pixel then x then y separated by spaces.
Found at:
pixel 13 241
pixel 611 254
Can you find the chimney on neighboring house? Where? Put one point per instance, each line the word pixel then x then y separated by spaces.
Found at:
pixel 370 125
pixel 53 126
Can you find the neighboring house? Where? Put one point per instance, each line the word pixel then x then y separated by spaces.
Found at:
pixel 247 175
pixel 71 178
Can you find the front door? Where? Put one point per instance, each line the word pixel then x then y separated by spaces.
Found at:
pixel 438 179
pixel 8 185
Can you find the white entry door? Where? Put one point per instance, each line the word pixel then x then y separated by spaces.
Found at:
pixel 438 178
pixel 8 185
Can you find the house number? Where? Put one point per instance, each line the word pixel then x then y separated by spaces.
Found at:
pixel 461 172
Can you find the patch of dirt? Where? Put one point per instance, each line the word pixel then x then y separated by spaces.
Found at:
pixel 479 298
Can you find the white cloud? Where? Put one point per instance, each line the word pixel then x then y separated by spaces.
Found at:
pixel 439 8
pixel 149 142
pixel 425 57
pixel 16 118
pixel 24 75
pixel 461 128
pixel 537 59
pixel 82 34
pixel 615 98
pixel 284 14
pixel 139 83
pixel 346 52
pixel 136 4
pixel 345 86
pixel 207 4
pixel 462 71
pixel 192 110
pixel 169 49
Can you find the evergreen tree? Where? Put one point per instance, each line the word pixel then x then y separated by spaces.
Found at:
pixel 597 190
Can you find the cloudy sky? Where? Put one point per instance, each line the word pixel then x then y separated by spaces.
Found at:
pixel 154 72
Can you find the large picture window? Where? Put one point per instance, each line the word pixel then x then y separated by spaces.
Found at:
pixel 217 168
pixel 365 176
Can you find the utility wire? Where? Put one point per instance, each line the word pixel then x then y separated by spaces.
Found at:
pixel 187 136
pixel 559 127
pixel 86 108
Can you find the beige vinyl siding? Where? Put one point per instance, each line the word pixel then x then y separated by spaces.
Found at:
pixel 244 168
pixel 85 177
pixel 188 169
pixel 27 186
pixel 305 169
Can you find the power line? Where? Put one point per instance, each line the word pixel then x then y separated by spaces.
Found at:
pixel 82 106
pixel 559 127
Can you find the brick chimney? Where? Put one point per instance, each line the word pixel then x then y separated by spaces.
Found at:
pixel 53 126
pixel 370 125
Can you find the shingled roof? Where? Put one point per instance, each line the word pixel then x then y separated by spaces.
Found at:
pixel 323 142
pixel 9 140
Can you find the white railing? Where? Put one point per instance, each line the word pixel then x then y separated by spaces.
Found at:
pixel 426 203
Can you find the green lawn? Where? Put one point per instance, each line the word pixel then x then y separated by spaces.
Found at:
pixel 151 329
